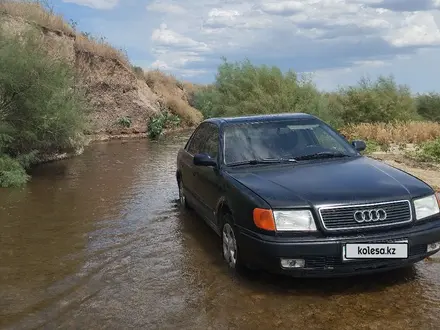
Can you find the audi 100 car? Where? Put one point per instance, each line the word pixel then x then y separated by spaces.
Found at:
pixel 289 194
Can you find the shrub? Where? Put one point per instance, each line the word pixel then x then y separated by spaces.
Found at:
pixel 208 100
pixel 124 122
pixel 377 101
pixel 429 151
pixel 428 106
pixel 372 146
pixel 242 88
pixel 12 173
pixel 42 108
pixel 161 121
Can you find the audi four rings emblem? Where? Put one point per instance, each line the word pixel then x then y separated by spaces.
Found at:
pixel 370 215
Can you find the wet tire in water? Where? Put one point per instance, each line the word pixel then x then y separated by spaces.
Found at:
pixel 230 248
pixel 182 198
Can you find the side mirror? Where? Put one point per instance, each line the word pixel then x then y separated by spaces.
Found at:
pixel 204 160
pixel 359 145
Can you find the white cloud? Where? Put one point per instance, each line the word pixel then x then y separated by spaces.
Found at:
pixel 312 33
pixel 164 37
pixel 161 65
pixel 174 51
pixel 169 8
pixel 348 36
pixel 221 18
pixel 283 7
pixel 96 4
pixel 418 29
pixel 372 63
pixel 244 19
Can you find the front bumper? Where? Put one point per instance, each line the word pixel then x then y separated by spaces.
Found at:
pixel 323 256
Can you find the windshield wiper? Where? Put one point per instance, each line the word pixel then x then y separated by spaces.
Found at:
pixel 264 161
pixel 323 154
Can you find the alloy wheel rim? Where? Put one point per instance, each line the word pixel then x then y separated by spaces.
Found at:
pixel 229 245
pixel 181 195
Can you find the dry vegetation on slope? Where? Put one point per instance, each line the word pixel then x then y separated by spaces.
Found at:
pixel 123 101
pixel 58 85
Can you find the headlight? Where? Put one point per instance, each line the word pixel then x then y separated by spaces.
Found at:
pixel 426 207
pixel 299 220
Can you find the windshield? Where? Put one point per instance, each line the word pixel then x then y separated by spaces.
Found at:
pixel 296 139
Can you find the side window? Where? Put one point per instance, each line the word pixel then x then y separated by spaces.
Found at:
pixel 211 143
pixel 195 145
pixel 205 140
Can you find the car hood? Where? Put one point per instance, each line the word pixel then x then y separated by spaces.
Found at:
pixel 332 181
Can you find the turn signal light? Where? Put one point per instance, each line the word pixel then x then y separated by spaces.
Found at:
pixel 263 218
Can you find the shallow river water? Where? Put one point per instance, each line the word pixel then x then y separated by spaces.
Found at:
pixel 99 242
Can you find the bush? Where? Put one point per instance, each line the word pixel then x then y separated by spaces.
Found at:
pixel 42 108
pixel 429 151
pixel 372 146
pixel 242 88
pixel 161 121
pixel 124 122
pixel 12 172
pixel 428 106
pixel 377 101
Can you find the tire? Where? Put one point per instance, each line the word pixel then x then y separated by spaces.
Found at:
pixel 230 246
pixel 182 198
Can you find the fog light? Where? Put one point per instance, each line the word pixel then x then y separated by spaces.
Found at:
pixel 292 263
pixel 433 247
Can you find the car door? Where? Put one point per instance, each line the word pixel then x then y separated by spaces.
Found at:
pixel 208 178
pixel 187 169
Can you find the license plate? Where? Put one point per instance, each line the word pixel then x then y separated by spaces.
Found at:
pixel 355 251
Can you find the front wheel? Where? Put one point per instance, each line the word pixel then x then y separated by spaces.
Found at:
pixel 231 249
pixel 182 198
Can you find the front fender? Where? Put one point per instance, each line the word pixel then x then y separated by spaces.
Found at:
pixel 241 201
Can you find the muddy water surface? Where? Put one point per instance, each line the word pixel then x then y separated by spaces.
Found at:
pixel 99 242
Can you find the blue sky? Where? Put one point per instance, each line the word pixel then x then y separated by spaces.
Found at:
pixel 337 41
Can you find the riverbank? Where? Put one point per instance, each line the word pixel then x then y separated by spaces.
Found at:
pixel 96 138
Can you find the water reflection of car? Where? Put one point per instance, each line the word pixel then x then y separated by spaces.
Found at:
pixel 287 193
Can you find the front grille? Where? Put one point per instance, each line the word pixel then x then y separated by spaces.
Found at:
pixel 342 218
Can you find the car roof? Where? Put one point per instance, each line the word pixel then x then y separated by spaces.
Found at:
pixel 252 118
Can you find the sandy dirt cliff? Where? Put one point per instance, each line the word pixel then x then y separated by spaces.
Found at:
pixel 113 88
